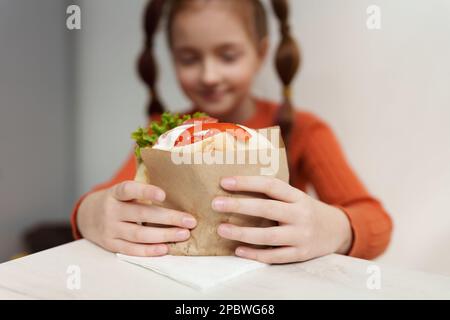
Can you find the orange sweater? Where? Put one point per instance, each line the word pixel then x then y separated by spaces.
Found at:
pixel 319 161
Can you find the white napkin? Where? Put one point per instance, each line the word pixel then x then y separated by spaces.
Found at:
pixel 197 272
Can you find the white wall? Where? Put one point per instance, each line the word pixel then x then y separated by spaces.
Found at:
pixel 110 98
pixel 387 95
pixel 36 176
pixel 384 92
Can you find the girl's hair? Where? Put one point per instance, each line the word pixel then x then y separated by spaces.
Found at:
pixel 287 58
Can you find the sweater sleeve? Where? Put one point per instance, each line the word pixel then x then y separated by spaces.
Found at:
pixel 335 183
pixel 126 172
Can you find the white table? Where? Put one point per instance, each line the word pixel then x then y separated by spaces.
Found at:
pixel 103 276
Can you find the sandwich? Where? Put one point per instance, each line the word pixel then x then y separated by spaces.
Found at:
pixel 196 133
pixel 191 187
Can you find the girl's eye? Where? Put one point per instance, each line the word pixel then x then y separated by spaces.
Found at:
pixel 187 60
pixel 230 57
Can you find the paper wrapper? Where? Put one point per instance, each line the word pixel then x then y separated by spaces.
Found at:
pixel 192 187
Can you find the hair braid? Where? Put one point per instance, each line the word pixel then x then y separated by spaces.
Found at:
pixel 147 66
pixel 287 63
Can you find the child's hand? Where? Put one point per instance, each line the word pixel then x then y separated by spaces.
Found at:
pixel 109 218
pixel 307 227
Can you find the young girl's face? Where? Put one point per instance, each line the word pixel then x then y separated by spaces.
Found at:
pixel 215 57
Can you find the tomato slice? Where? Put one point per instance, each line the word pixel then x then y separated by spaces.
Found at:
pixel 201 131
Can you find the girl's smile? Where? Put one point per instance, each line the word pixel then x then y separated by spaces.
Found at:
pixel 213 96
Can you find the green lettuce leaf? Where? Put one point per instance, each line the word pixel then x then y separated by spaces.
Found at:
pixel 147 137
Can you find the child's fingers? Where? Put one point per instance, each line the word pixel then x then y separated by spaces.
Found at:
pixel 270 236
pixel 272 256
pixel 269 209
pixel 274 188
pixel 132 190
pixel 139 250
pixel 141 234
pixel 135 212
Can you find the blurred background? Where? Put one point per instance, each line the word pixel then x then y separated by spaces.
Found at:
pixel 70 98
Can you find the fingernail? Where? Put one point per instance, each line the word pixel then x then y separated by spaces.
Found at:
pixel 189 222
pixel 240 252
pixel 224 230
pixel 160 195
pixel 228 182
pixel 182 234
pixel 218 204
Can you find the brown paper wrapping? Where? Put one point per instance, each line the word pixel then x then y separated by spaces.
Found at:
pixel 192 187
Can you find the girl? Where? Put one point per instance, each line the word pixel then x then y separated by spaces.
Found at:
pixel 218 46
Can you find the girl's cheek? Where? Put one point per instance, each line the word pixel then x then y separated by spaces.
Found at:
pixel 241 76
pixel 188 78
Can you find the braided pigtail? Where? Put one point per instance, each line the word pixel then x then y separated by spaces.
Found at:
pixel 147 67
pixel 287 62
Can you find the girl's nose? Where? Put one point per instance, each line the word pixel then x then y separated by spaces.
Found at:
pixel 210 73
